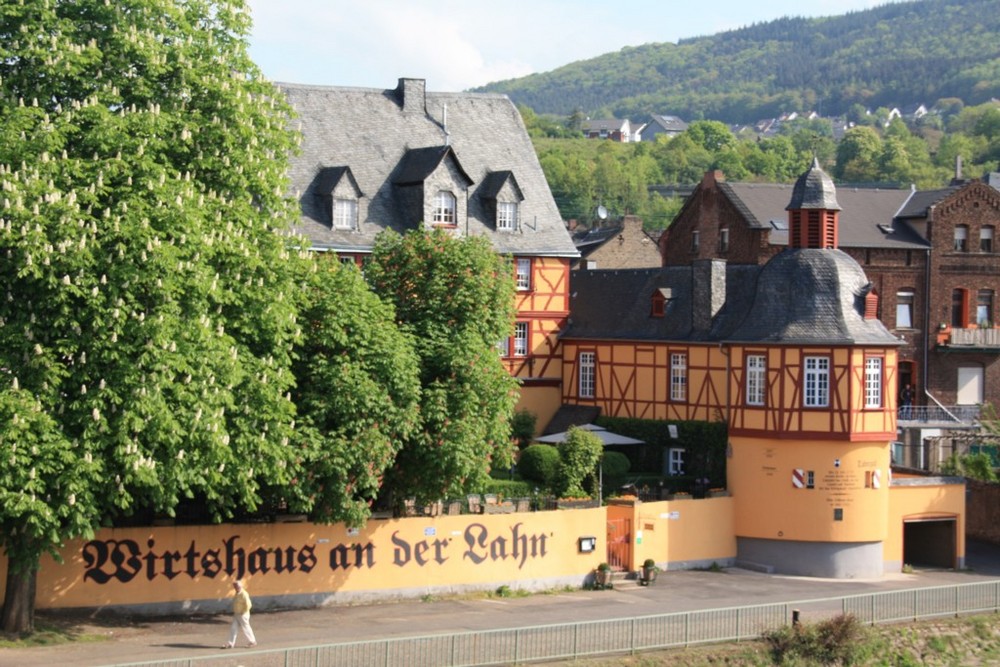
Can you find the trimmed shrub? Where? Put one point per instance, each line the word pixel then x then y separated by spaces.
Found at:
pixel 615 464
pixel 539 464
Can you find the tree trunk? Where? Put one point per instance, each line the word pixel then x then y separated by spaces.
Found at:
pixel 19 600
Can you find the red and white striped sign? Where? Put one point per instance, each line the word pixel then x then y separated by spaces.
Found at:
pixel 799 478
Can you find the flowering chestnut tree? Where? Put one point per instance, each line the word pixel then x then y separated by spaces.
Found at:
pixel 148 304
pixel 455 297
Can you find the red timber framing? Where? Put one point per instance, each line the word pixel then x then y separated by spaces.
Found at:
pixel 633 379
pixel 545 307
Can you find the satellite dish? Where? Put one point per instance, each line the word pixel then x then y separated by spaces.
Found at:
pixel 602 212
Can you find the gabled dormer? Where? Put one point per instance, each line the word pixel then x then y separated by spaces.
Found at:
pixel 502 197
pixel 659 300
pixel 339 197
pixel 432 187
pixel 813 211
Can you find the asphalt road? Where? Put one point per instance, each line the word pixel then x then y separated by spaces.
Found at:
pixel 141 640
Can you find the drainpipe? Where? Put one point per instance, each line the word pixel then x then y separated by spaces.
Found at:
pixel 927 322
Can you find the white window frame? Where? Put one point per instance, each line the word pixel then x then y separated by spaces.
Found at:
pixel 675 461
pixel 904 309
pixel 521 334
pixel 816 383
pixel 345 213
pixel 522 268
pixel 445 208
pixel 587 374
pixel 961 238
pixel 756 376
pixel 503 347
pixel 986 239
pixel 678 376
pixel 873 382
pixel 984 307
pixel 507 216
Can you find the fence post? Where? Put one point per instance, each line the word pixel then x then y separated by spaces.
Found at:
pixel 631 640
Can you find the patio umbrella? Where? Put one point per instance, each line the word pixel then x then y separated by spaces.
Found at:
pixel 606 436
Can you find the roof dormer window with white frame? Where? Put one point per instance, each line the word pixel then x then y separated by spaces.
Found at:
pixel 445 206
pixel 507 216
pixel 345 213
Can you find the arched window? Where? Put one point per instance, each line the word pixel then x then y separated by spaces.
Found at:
pixel 444 208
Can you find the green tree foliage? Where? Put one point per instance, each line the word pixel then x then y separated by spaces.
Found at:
pixel 455 297
pixel 522 427
pixel 858 156
pixel 357 394
pixel 149 308
pixel 887 56
pixel 579 456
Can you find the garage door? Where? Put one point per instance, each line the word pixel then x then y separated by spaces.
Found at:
pixel 930 543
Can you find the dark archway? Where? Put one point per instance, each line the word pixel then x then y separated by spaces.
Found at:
pixel 930 543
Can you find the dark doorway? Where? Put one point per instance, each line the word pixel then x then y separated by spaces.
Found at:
pixel 930 543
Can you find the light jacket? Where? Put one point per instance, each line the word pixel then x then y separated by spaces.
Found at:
pixel 241 603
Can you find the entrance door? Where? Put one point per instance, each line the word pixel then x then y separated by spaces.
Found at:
pixel 970 385
pixel 620 544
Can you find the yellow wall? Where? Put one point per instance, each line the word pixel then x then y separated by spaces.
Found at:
pixel 769 506
pixel 943 501
pixel 169 564
pixel 680 533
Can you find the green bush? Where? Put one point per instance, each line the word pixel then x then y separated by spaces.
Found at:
pixel 507 488
pixel 539 464
pixel 615 464
pixel 841 640
pixel 579 457
pixel 522 427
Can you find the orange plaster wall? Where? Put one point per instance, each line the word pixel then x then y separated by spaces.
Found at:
pixel 542 402
pixel 769 506
pixel 681 533
pixel 943 501
pixel 414 554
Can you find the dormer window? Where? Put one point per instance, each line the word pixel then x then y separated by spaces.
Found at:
pixel 658 302
pixel 444 208
pixel 506 216
pixel 345 213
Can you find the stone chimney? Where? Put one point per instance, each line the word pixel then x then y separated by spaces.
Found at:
pixel 412 95
pixel 708 292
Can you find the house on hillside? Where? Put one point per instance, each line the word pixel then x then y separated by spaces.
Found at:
pixel 932 259
pixel 611 128
pixel 787 349
pixel 407 158
pixel 624 245
pixel 669 126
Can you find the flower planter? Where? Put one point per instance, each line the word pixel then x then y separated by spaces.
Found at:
pixel 602 579
pixel 648 575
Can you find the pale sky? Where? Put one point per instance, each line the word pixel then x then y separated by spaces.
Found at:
pixel 460 44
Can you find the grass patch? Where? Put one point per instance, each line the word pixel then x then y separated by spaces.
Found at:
pixel 50 634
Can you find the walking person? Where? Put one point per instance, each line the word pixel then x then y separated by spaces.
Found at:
pixel 241 616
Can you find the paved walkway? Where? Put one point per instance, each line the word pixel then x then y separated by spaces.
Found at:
pixel 202 636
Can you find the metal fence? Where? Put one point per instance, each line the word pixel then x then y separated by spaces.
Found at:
pixel 615 636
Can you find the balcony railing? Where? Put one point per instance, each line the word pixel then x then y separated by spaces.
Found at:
pixel 973 337
pixel 937 414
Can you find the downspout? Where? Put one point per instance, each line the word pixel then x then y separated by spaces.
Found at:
pixel 927 323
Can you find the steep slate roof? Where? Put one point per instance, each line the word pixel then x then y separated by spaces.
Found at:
pixel 811 296
pixel 867 215
pixel 800 297
pixel 669 123
pixel 371 130
pixel 922 200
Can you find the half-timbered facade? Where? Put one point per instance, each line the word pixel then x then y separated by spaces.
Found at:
pixel 406 158
pixel 791 354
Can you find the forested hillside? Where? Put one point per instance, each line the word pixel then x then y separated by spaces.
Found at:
pixel 893 55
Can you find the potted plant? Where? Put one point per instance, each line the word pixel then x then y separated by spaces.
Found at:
pixel 602 576
pixel 649 571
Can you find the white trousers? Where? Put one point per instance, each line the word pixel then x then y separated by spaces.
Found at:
pixel 241 622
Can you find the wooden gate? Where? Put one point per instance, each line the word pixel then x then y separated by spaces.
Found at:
pixel 620 544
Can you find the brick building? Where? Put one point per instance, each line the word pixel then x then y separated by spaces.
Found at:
pixel 930 255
